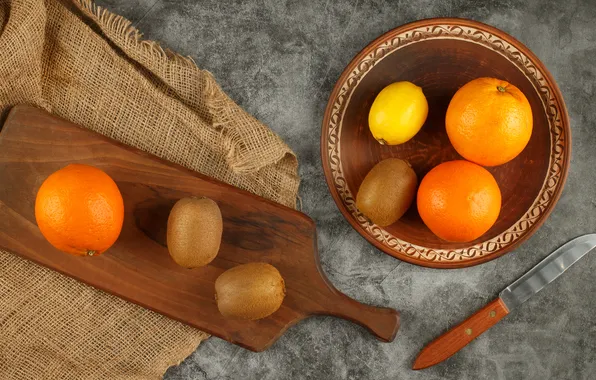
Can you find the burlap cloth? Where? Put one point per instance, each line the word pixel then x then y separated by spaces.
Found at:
pixel 91 67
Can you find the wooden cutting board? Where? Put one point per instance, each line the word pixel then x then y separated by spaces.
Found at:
pixel 138 268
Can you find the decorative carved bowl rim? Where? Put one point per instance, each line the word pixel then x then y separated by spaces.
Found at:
pixel 516 53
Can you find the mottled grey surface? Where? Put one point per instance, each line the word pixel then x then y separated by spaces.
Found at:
pixel 280 60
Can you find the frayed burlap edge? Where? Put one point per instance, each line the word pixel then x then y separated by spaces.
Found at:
pixel 121 31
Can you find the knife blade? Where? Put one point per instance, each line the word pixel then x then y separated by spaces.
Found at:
pixel 511 297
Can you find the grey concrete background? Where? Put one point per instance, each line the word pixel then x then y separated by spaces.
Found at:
pixel 279 60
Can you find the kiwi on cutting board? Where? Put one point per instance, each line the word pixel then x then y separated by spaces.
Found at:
pixel 387 191
pixel 194 231
pixel 249 291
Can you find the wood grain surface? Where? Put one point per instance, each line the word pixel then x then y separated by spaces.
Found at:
pixel 441 55
pixel 458 337
pixel 138 268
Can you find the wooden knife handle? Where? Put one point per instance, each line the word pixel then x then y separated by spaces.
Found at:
pixel 459 336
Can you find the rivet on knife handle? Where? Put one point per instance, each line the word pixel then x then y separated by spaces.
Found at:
pixel 459 336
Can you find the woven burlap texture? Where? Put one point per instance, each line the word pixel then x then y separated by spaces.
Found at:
pixel 91 67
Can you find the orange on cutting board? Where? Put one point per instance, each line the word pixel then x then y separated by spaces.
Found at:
pixel 459 200
pixel 489 121
pixel 80 210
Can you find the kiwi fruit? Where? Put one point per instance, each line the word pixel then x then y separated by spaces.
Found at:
pixel 249 291
pixel 194 231
pixel 387 191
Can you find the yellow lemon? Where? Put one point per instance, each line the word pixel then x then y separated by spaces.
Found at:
pixel 398 113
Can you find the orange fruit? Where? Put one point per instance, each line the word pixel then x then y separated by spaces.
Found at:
pixel 459 201
pixel 489 121
pixel 80 210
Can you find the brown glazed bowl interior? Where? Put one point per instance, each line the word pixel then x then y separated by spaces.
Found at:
pixel 441 55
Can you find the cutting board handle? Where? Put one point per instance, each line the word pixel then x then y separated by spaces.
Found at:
pixel 382 322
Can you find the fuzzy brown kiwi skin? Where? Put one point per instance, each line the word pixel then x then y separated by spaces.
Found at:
pixel 249 291
pixel 194 231
pixel 387 191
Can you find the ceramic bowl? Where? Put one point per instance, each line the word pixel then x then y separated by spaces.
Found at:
pixel 441 55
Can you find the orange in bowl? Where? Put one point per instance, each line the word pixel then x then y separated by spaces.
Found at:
pixel 489 121
pixel 80 210
pixel 459 201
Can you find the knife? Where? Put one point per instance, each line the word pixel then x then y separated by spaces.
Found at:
pixel 511 297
